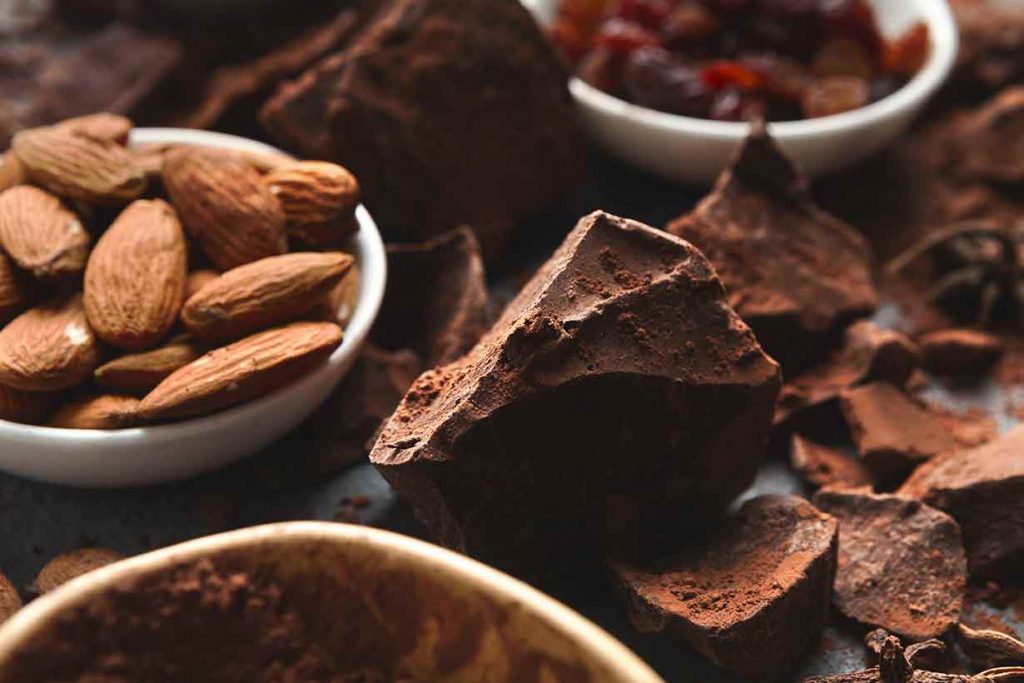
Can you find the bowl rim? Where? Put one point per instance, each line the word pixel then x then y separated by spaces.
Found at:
pixel 596 643
pixel 944 40
pixel 371 258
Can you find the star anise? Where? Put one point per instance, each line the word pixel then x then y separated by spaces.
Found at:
pixel 980 269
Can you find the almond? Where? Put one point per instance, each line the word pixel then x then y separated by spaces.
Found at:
pixel 63 568
pixel 140 373
pixel 225 206
pixel 319 201
pixel 11 171
pixel 14 293
pixel 107 411
pixel 10 601
pixel 40 234
pixel 135 280
pixel 340 303
pixel 76 165
pixel 28 407
pixel 48 348
pixel 198 279
pixel 101 125
pixel 242 371
pixel 261 294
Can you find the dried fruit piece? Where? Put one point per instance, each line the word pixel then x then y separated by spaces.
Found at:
pixel 135 279
pixel 101 125
pixel 960 353
pixel 987 649
pixel 820 465
pixel 48 348
pixel 834 95
pixel 106 411
pixel 753 597
pixel 901 563
pixel 28 407
pixel 224 205
pixel 75 165
pixel 11 171
pixel 40 235
pixel 319 201
pixel 10 601
pixel 140 373
pixel 14 295
pixel 63 568
pixel 242 371
pixel 264 293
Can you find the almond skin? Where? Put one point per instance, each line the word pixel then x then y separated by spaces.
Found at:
pixel 76 165
pixel 107 411
pixel 11 171
pixel 10 601
pixel 27 407
pixel 63 568
pixel 14 294
pixel 242 371
pixel 135 280
pixel 225 206
pixel 48 348
pixel 198 279
pixel 102 125
pixel 139 373
pixel 40 234
pixel 262 294
pixel 319 201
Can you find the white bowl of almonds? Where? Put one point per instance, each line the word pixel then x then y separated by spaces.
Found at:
pixel 173 300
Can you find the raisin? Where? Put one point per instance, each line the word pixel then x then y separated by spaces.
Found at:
pixel 655 78
pixel 718 75
pixel 689 25
pixel 907 54
pixel 602 70
pixel 843 56
pixel 834 95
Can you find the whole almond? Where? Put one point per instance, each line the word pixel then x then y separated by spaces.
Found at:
pixel 63 568
pixel 198 279
pixel 340 303
pixel 28 407
pixel 135 280
pixel 140 373
pixel 48 348
pixel 14 294
pixel 11 171
pixel 225 206
pixel 10 601
pixel 319 201
pixel 40 234
pixel 101 125
pixel 106 411
pixel 261 294
pixel 77 165
pixel 242 371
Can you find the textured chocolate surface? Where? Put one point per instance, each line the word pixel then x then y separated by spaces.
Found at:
pixel 619 368
pixel 821 465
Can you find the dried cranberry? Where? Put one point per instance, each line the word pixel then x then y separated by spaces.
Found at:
pixel 731 104
pixel 834 95
pixel 623 37
pixel 718 75
pixel 655 78
pixel 649 13
pixel 907 54
pixel 689 25
pixel 843 56
pixel 572 41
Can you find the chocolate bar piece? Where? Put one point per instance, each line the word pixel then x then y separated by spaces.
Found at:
pixel 617 396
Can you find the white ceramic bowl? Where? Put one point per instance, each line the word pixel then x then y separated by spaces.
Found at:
pixel 693 150
pixel 389 584
pixel 160 453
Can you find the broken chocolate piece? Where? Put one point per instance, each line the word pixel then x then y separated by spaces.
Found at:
pixel 10 601
pixel 987 649
pixel 892 433
pixel 822 466
pixel 901 563
pixel 436 301
pixel 983 489
pixel 63 568
pixel 794 273
pixel 960 353
pixel 620 368
pixel 449 113
pixel 869 353
pixel 752 597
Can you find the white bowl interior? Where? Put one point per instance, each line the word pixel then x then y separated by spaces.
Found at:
pixel 165 452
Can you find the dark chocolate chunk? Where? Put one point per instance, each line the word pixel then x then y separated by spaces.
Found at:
pixel 751 598
pixel 901 563
pixel 820 465
pixel 988 649
pixel 989 142
pixel 793 272
pixel 960 353
pixel 450 113
pixel 617 396
pixel 436 301
pixel 983 489
pixel 892 433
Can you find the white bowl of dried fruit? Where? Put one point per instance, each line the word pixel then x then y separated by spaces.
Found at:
pixel 159 326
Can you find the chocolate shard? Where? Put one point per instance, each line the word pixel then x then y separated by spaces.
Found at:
pixel 901 563
pixel 987 649
pixel 823 466
pixel 869 353
pixel 983 489
pixel 436 302
pixel 794 272
pixel 960 354
pixel 989 144
pixel 752 597
pixel 404 108
pixel 617 391
pixel 892 433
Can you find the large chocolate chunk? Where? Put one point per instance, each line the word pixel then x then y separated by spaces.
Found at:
pixel 901 563
pixel 617 396
pixel 751 598
pixel 450 113
pixel 793 272
pixel 983 489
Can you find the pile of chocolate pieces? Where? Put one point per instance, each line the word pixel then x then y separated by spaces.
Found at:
pixel 609 418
